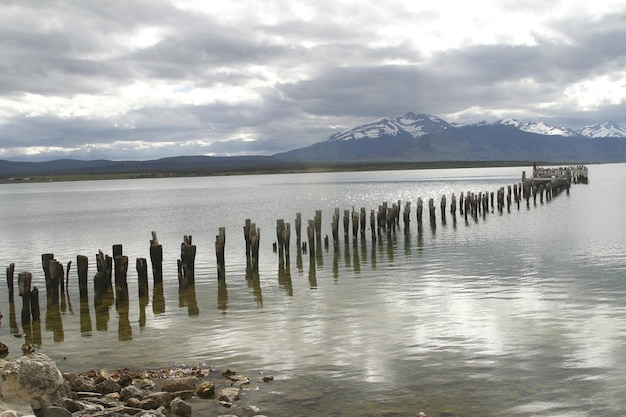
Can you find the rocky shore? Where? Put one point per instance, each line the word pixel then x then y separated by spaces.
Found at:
pixel 33 385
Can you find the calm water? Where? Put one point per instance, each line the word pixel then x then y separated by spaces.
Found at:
pixel 517 314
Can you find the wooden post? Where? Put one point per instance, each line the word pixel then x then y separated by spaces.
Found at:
pixel 407 214
pixel 10 284
pixel 335 228
pixel 453 206
pixel 82 264
pixel 373 225
pixel 45 264
pixel 310 231
pixel 142 277
pixel 346 223
pixel 56 275
pixel 298 227
pixel 443 204
pixel 156 258
pixel 363 217
pixel 419 210
pixel 186 263
pixel 121 281
pixel 220 243
pixel 355 226
pixel 23 282
pixel 318 224
pixel 431 211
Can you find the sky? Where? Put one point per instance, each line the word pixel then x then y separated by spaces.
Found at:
pixel 137 80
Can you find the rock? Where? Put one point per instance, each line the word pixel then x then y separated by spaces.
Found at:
pixel 34 380
pixel 179 384
pixel 4 350
pixel 150 413
pixel 147 384
pixel 180 407
pixel 132 392
pixel 55 411
pixel 206 390
pixel 83 384
pixel 268 378
pixel 229 394
pixel 108 386
pixel 9 413
pixel 161 398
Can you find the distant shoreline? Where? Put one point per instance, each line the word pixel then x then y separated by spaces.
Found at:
pixel 291 168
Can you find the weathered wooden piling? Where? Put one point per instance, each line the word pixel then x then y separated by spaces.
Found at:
pixel 252 235
pixel 355 225
pixel 23 282
pixel 55 276
pixel 442 205
pixel 453 206
pixel 318 225
pixel 363 219
pixel 121 278
pixel 82 265
pixel 220 243
pixel 186 263
pixel 156 259
pixel 310 231
pixel 298 227
pixel 10 282
pixel 142 277
pixel 431 212
pixel 406 214
pixel 419 210
pixel 346 224
pixel 335 228
pixel 102 278
pixel 373 224
pixel 45 264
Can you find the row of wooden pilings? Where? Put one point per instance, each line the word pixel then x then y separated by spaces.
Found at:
pixel 111 272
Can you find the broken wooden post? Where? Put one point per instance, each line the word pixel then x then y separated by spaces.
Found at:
pixel 373 225
pixel 252 236
pixel 142 277
pixel 406 214
pixel 355 226
pixel 156 258
pixel 442 205
pixel 102 279
pixel 82 264
pixel 55 276
pixel 23 282
pixel 298 227
pixel 419 210
pixel 335 228
pixel 346 223
pixel 431 211
pixel 310 231
pixel 186 263
pixel 453 206
pixel 121 278
pixel 363 219
pixel 220 243
pixel 45 264
pixel 10 282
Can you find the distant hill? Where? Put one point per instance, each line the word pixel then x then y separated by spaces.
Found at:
pixel 412 138
pixel 424 137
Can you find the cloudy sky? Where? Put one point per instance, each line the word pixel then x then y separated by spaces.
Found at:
pixel 144 79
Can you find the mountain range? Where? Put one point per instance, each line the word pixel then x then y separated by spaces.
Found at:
pixel 424 137
pixel 410 138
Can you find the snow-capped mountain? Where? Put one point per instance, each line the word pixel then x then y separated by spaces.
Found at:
pixel 539 128
pixel 603 130
pixel 411 123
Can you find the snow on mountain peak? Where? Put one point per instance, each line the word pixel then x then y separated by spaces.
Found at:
pixel 603 130
pixel 414 124
pixel 538 127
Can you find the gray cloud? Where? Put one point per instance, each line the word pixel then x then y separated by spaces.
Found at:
pixel 146 79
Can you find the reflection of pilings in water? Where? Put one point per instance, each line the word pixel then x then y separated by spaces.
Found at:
pixel 336 265
pixel 310 232
pixel 312 276
pixel 124 330
pixel 222 296
pixel 346 256
pixel 156 258
pixel 103 300
pixel 85 318
pixel 158 298
pixel 373 256
pixel 54 323
pixel 187 298
pixel 254 282
pixel 143 303
pixel 356 262
pixel 284 280
pixel 15 329
pixel 186 263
